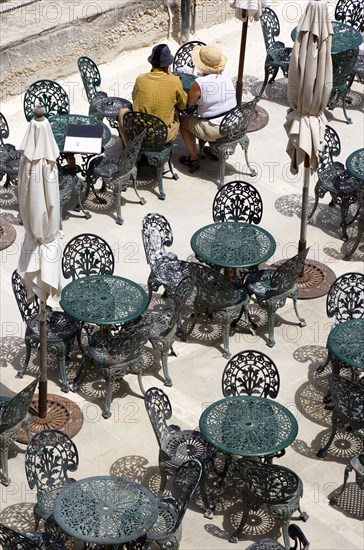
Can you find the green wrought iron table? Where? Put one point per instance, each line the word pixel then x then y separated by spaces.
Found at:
pixel 345 37
pixel 233 245
pixel 345 345
pixel 355 164
pixel 109 107
pixel 105 510
pixel 104 299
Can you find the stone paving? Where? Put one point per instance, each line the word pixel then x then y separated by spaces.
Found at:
pixel 125 444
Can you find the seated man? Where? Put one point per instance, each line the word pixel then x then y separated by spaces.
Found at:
pixel 158 93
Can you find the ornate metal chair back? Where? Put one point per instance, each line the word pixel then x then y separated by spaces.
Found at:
pixel 4 130
pixel 90 76
pixel 331 149
pixel 345 299
pixel 50 95
pixel 183 57
pixel 250 372
pixel 351 13
pixel 212 286
pixel 27 309
pixel 286 275
pixel 234 125
pixel 15 410
pixel 156 235
pixel 185 484
pixel 349 402
pixel 237 201
pixel 87 254
pixel 49 456
pixel 270 27
pixel 125 342
pixel 180 297
pixel 156 131
pixel 296 534
pixel 343 64
pixel 159 410
pixel 129 156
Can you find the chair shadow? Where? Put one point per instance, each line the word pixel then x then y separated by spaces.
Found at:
pixel 12 350
pixel 9 198
pixel 139 470
pixel 18 516
pixel 351 502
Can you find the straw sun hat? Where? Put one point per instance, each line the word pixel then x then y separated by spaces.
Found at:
pixel 208 59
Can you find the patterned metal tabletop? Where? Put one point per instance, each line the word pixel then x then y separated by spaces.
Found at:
pixel 233 244
pixel 248 426
pixel 346 342
pixel 104 299
pixel 109 106
pixel 59 126
pixel 345 37
pixel 105 510
pixel 355 164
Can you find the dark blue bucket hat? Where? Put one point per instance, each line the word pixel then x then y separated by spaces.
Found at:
pixel 161 56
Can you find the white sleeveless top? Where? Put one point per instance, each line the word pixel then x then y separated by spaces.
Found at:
pixel 218 95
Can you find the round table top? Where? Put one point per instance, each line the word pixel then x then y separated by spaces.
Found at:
pixel 233 244
pixel 355 164
pixel 59 126
pixel 345 37
pixel 248 426
pixel 346 342
pixel 109 106
pixel 105 510
pixel 104 299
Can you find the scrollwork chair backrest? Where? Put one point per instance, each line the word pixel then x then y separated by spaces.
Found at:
pixel 90 76
pixel 87 254
pixel 234 125
pixel 185 483
pixel 212 286
pixel 351 13
pixel 343 64
pixel 286 275
pixel 331 149
pixel 180 296
pixel 270 27
pixel 349 402
pixel 157 235
pixel 15 410
pixel 237 201
pixel 129 156
pixel 183 57
pixel 159 410
pixel 250 372
pixel 4 130
pixel 268 483
pixel 49 456
pixel 156 131
pixel 345 299
pixel 50 95
pixel 27 309
pixel 125 343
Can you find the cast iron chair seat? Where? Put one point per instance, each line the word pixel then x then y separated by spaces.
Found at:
pixel 9 156
pixel 166 324
pixel 359 219
pixel 154 147
pixel 237 201
pixel 49 456
pixel 117 173
pixel 272 286
pixel 91 80
pixel 216 295
pixel 348 398
pixel 165 268
pixel 356 464
pixel 233 128
pixel 176 446
pixel 276 487
pixel 343 67
pixel 167 530
pixel 335 179
pixel 278 55
pixel 61 329
pixel 68 184
pixel 50 95
pixel 12 540
pixel 115 355
pixel 13 415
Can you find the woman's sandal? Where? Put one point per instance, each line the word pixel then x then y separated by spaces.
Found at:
pixel 192 164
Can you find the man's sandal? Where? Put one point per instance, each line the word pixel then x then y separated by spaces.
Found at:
pixel 193 165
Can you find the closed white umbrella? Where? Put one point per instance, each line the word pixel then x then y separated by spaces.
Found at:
pixel 39 205
pixel 309 89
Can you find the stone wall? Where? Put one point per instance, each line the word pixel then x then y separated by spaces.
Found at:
pixel 45 41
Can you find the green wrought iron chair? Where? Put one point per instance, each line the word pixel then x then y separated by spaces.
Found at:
pixel 117 173
pixel 68 184
pixel 348 398
pixel 351 13
pixel 154 148
pixel 333 178
pixel 275 487
pixel 91 80
pixel 356 464
pixel 278 55
pixel 217 296
pixel 272 286
pixel 50 95
pixel 118 353
pixel 165 268
pixel 300 542
pixel 359 219
pixel 237 201
pixel 176 446
pixel 12 540
pixel 166 324
pixel 343 66
pixel 233 128
pixel 13 415
pixel 49 456
pixel 9 155
pixel 167 530
pixel 61 329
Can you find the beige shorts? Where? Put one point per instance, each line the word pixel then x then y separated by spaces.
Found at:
pixel 202 129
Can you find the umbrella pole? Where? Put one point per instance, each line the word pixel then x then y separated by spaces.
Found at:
pixel 239 82
pixel 306 185
pixel 42 413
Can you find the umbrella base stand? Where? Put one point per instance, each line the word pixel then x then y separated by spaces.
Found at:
pixel 316 280
pixel 7 234
pixel 62 414
pixel 259 120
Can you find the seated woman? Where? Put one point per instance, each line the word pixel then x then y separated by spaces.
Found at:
pixel 214 95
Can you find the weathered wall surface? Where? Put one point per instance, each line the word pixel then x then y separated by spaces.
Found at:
pixel 45 38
